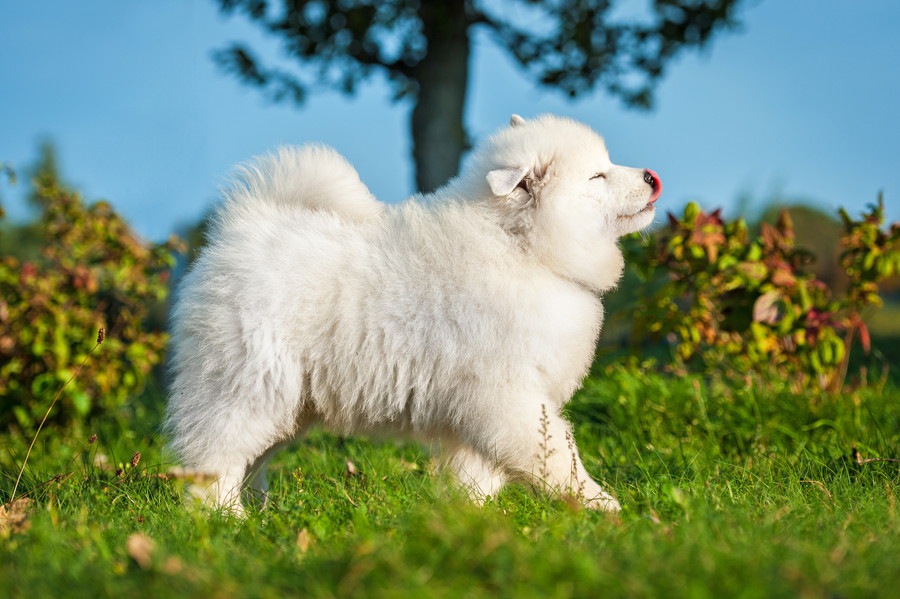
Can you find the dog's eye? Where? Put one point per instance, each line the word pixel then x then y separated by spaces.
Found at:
pixel 599 176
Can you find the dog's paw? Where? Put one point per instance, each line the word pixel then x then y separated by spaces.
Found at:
pixel 604 502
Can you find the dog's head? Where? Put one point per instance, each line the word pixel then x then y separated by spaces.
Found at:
pixel 552 183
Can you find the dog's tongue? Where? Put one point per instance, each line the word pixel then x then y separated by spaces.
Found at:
pixel 657 186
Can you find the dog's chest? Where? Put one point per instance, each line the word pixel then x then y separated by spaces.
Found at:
pixel 564 327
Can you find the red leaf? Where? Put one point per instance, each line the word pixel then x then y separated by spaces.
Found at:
pixel 783 278
pixel 770 235
pixel 673 221
pixel 864 337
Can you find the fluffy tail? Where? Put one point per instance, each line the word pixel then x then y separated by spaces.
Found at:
pixel 313 177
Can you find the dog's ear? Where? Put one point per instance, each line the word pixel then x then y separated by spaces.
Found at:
pixel 514 198
pixel 503 181
pixel 517 195
pixel 515 120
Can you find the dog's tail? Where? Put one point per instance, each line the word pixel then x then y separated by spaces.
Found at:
pixel 313 177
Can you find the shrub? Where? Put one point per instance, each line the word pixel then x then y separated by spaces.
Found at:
pixel 93 272
pixel 750 303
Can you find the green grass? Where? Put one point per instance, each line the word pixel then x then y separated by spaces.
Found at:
pixel 729 490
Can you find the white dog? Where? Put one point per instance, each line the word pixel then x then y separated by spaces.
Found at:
pixel 465 319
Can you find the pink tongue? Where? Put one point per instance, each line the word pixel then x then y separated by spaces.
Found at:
pixel 657 186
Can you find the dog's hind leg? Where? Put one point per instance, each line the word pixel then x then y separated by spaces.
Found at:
pixel 219 487
pixel 228 453
pixel 256 479
pixel 232 475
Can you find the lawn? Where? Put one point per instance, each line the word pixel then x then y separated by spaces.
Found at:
pixel 729 489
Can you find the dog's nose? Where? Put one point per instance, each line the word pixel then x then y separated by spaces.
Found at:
pixel 655 183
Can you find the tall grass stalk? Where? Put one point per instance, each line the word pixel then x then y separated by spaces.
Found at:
pixel 101 335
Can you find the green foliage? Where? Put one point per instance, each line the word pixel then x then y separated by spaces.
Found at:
pixel 731 299
pixel 869 254
pixel 93 272
pixel 817 231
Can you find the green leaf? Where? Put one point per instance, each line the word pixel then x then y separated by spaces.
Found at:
pixel 82 402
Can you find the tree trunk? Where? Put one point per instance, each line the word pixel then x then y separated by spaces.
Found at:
pixel 438 134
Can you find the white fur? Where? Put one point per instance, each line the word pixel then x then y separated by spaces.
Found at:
pixel 456 319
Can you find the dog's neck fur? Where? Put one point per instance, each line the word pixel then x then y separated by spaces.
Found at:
pixel 595 267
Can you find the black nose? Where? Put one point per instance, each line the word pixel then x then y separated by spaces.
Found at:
pixel 649 179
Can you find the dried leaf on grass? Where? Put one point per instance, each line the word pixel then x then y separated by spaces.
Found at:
pixel 140 548
pixel 303 540
pixel 857 457
pixel 172 566
pixel 14 516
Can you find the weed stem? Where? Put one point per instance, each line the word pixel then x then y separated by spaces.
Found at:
pixel 101 335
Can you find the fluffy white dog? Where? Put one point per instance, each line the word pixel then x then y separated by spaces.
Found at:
pixel 465 319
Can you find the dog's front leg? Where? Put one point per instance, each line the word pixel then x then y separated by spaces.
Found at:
pixel 535 443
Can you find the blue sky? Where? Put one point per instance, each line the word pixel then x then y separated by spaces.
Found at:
pixel 801 102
